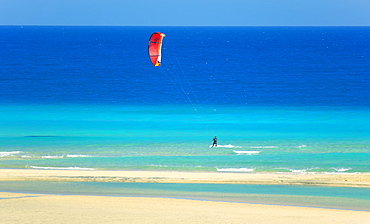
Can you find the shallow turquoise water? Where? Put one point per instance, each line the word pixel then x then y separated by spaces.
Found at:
pixel 177 138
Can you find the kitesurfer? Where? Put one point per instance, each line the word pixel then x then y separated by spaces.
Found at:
pixel 214 142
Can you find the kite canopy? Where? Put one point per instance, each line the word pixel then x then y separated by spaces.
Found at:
pixel 155 48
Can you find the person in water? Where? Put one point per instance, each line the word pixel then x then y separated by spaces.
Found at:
pixel 214 142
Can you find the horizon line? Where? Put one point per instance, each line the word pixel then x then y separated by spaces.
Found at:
pixel 188 25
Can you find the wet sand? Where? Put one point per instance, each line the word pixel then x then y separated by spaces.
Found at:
pixel 317 179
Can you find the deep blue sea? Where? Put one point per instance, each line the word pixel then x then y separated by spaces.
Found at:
pixel 279 99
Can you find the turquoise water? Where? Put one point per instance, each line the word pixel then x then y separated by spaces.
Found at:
pixel 325 139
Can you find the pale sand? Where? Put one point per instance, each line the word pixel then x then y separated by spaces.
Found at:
pixel 46 208
pixel 344 180
pixel 31 208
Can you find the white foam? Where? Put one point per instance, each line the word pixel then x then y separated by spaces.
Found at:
pixel 226 146
pixel 60 168
pixel 4 154
pixel 247 152
pixel 301 146
pixel 77 156
pixel 341 169
pixel 263 147
pixel 64 156
pixel 298 171
pixel 51 157
pixel 235 169
pixel 155 165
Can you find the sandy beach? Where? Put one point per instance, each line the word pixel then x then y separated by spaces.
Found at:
pixel 317 179
pixel 31 208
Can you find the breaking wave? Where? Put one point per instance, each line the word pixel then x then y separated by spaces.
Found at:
pixel 341 169
pixel 264 147
pixel 60 168
pixel 77 156
pixel 235 169
pixel 5 154
pixel 247 152
pixel 65 156
pixel 226 146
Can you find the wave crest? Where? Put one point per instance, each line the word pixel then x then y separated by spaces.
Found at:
pixel 60 168
pixel 235 169
pixel 5 154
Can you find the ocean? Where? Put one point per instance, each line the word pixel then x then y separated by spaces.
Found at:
pixel 279 99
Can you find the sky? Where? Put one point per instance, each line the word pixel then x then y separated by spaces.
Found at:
pixel 186 12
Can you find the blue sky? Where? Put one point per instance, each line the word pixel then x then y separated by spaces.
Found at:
pixel 186 12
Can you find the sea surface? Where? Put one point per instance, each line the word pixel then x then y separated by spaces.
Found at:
pixel 279 99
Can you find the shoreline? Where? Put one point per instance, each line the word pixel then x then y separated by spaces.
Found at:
pixel 304 179
pixel 140 208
